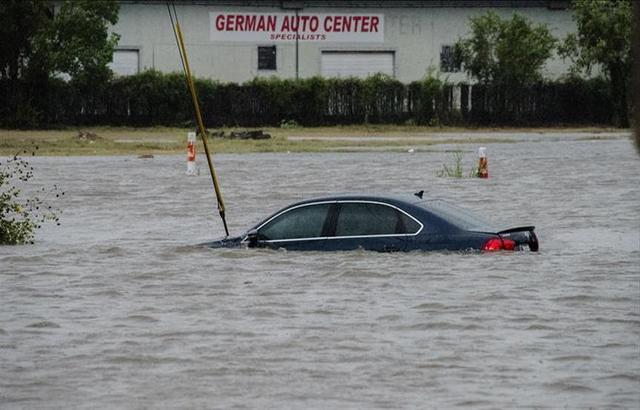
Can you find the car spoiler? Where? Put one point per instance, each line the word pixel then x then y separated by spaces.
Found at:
pixel 519 229
pixel 528 236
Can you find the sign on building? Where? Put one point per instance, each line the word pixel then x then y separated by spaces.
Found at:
pixel 279 27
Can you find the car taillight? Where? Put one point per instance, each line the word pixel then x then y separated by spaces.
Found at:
pixel 499 244
pixel 508 244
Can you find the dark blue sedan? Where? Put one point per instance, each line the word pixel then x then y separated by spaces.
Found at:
pixel 381 223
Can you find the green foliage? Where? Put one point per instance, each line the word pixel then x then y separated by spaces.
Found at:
pixel 152 98
pixel 77 42
pixel 604 39
pixel 604 34
pixel 430 102
pixel 510 52
pixel 21 216
pixel 20 22
pixel 39 45
pixel 311 101
pixel 454 170
pixel 288 124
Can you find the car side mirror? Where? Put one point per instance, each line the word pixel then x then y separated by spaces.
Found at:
pixel 252 238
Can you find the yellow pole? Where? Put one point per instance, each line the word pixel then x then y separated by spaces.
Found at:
pixel 201 129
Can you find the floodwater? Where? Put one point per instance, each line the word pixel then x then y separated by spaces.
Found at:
pixel 117 307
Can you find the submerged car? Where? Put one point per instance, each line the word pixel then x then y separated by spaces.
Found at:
pixel 384 223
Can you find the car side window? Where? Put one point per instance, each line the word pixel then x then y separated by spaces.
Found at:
pixel 408 224
pixel 303 222
pixel 363 218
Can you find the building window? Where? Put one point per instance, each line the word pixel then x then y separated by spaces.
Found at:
pixel 448 62
pixel 267 58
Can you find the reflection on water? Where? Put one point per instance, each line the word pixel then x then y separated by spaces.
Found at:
pixel 117 308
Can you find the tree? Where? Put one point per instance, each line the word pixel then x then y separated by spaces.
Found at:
pixel 77 41
pixel 20 21
pixel 636 69
pixel 41 41
pixel 604 39
pixel 21 216
pixel 507 52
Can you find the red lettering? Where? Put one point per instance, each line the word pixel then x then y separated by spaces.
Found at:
pixel 357 20
pixel 365 24
pixel 295 24
pixel 328 23
pixel 271 23
pixel 337 26
pixel 285 24
pixel 230 21
pixel 240 23
pixel 374 24
pixel 250 22
pixel 346 24
pixel 313 26
pixel 305 20
pixel 298 24
pixel 220 22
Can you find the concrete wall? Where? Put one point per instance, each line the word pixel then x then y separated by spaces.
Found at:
pixel 414 34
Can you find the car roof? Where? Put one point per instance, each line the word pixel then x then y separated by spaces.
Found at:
pixel 406 199
pixel 443 209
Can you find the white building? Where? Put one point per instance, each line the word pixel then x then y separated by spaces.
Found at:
pixel 235 41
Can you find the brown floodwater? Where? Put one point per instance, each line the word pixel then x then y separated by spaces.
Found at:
pixel 117 307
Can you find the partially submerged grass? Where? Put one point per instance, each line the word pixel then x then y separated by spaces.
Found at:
pixel 154 141
pixel 162 140
pixel 454 170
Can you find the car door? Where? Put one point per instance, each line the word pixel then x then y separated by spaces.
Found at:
pixel 370 225
pixel 301 227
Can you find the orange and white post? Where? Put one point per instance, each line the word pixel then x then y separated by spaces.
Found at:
pixel 483 164
pixel 191 154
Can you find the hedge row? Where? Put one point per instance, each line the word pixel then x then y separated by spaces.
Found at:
pixel 152 98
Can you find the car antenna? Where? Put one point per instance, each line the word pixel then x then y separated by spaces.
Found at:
pixel 419 194
pixel 177 32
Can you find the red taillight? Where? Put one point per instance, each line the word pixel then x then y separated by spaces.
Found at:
pixel 499 244
pixel 493 245
pixel 508 244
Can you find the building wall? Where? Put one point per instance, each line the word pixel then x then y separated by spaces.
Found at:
pixel 415 34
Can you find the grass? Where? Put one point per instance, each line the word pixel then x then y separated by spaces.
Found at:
pixel 162 140
pixel 454 170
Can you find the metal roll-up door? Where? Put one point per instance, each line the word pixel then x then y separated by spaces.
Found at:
pixel 356 63
pixel 125 62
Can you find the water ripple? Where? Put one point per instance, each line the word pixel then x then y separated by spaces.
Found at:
pixel 120 308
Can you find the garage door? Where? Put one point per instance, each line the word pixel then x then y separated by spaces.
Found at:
pixel 125 62
pixel 356 64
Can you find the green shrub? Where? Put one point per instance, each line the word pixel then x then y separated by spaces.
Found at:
pixel 288 124
pixel 21 216
pixel 152 98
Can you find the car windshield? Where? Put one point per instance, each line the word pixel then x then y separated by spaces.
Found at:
pixel 458 217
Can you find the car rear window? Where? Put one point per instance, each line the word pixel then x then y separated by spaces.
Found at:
pixel 365 218
pixel 459 217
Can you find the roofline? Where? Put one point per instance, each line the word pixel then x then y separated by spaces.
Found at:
pixel 351 4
